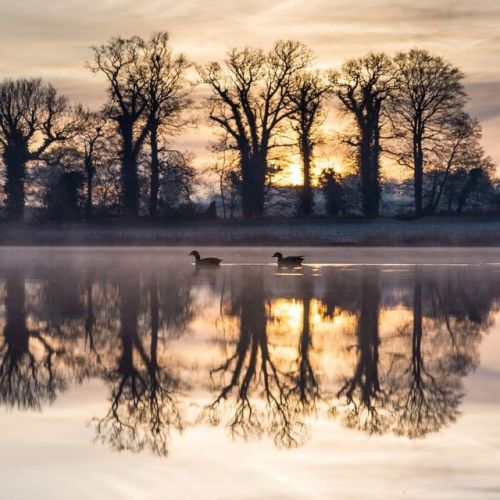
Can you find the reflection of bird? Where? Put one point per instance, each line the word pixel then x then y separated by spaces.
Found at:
pixel 292 261
pixel 207 261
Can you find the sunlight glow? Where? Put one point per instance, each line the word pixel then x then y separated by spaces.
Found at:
pixel 292 173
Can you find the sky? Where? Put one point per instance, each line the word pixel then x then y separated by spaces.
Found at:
pixel 52 38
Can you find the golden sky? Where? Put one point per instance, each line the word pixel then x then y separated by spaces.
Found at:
pixel 51 38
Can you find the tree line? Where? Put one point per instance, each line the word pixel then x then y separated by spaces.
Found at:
pixel 405 111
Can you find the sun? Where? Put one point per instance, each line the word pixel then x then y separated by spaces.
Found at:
pixel 292 173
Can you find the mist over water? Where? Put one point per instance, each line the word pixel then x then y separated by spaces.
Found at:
pixel 389 355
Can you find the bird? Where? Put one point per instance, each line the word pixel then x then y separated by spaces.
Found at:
pixel 292 261
pixel 207 261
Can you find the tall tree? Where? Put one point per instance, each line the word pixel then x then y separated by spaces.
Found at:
pixel 33 117
pixel 429 91
pixel 362 86
pixel 166 90
pixel 307 96
pixel 119 61
pixel 250 102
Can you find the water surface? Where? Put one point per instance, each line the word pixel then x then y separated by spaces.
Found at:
pixel 130 374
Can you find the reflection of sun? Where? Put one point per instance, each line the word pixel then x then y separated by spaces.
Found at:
pixel 288 313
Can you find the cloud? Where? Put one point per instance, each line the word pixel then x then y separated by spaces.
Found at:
pixel 52 39
pixel 485 99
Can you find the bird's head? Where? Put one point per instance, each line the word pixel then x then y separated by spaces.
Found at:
pixel 278 255
pixel 195 254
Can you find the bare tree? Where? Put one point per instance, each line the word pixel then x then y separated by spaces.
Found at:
pixel 118 60
pixel 362 86
pixel 250 102
pixel 307 96
pixel 228 183
pixel 458 150
pixel 429 91
pixel 91 136
pixel 166 90
pixel 33 117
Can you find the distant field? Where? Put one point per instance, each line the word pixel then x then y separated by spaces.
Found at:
pixel 463 231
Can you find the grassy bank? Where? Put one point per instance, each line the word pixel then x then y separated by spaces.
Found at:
pixel 432 231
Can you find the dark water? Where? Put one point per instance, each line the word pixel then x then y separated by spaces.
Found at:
pixel 388 371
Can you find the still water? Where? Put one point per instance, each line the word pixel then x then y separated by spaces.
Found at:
pixel 367 373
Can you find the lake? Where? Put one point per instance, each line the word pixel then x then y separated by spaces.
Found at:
pixel 130 373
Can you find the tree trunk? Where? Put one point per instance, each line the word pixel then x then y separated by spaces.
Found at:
pixel 253 186
pixel 89 169
pixel 260 188
pixel 417 331
pixel 247 192
pixel 418 174
pixel 368 332
pixel 129 175
pixel 15 165
pixel 155 173
pixel 306 201
pixel 370 188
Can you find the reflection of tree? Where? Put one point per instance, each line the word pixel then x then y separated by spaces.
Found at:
pixel 417 394
pixel 305 387
pixel 174 303
pixel 144 399
pixel 29 371
pixel 430 393
pixel 361 396
pixel 251 376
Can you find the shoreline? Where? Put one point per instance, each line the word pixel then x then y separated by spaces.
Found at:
pixel 464 231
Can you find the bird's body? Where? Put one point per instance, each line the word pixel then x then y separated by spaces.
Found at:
pixel 290 262
pixel 207 261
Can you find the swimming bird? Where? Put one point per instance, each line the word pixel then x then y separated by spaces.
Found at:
pixel 207 261
pixel 292 261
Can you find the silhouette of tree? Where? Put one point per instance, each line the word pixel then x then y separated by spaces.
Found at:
pixel 458 152
pixel 64 199
pixel 92 144
pixel 429 91
pixel 250 102
pixel 331 186
pixel 33 118
pixel 118 61
pixel 177 178
pixel 145 395
pixel 307 95
pixel 363 86
pixel 166 92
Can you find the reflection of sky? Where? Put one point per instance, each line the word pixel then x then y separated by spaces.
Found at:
pixel 52 39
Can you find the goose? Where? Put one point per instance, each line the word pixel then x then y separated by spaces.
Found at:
pixel 292 261
pixel 207 261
